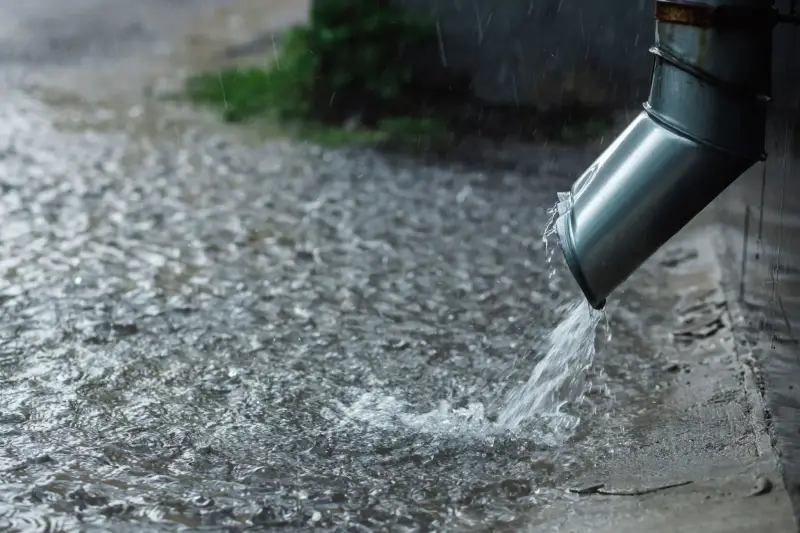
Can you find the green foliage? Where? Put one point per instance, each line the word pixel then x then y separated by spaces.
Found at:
pixel 361 46
pixel 283 91
pixel 350 56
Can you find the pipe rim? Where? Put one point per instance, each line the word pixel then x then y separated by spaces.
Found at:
pixel 565 243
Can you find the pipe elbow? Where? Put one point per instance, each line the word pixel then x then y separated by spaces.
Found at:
pixel 702 126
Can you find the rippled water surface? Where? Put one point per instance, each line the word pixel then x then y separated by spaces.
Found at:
pixel 200 331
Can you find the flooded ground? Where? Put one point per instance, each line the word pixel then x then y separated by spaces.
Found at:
pixel 205 331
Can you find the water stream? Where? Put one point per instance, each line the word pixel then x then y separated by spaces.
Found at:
pixel 544 407
pixel 559 379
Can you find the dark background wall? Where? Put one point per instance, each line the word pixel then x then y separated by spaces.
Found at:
pixel 551 53
pixel 769 197
pixel 547 53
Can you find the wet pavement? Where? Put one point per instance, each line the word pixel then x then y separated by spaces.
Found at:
pixel 195 320
pixel 203 330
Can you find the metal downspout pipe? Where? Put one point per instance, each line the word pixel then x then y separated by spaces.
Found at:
pixel 702 126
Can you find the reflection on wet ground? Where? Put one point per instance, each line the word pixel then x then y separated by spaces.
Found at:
pixel 202 329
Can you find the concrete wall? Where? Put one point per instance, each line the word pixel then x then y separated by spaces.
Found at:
pixel 767 200
pixel 762 214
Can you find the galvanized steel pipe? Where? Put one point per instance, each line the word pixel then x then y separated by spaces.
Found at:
pixel 702 126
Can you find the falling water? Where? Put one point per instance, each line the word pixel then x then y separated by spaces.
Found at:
pixel 557 383
pixel 559 378
pixel 547 235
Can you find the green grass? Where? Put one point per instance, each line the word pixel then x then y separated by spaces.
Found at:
pixel 345 61
pixel 238 94
pixel 281 91
pixel 256 94
pixel 343 65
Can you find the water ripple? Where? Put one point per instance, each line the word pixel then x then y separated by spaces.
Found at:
pixel 204 333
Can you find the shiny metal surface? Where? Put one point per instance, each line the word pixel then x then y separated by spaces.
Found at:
pixel 703 126
pixel 639 194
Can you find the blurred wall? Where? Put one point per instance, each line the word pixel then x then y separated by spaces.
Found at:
pixel 547 53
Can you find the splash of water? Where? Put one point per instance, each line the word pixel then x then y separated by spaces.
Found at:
pixel 557 383
pixel 559 379
pixel 387 412
pixel 547 236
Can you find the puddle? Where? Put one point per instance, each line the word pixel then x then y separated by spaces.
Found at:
pixel 205 330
